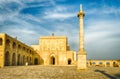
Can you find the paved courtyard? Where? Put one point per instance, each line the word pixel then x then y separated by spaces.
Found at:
pixel 58 72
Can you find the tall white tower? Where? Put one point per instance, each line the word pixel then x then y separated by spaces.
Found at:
pixel 81 52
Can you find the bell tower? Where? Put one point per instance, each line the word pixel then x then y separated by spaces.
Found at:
pixel 81 52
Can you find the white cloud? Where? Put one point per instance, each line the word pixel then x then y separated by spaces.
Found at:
pixel 104 10
pixel 59 15
pixel 102 38
pixel 7 1
pixel 31 17
pixel 39 3
pixel 59 12
pixel 24 31
pixel 6 9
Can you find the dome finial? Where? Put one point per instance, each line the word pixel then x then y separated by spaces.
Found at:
pixel 52 34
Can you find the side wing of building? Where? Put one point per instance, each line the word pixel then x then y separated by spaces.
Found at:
pixel 13 52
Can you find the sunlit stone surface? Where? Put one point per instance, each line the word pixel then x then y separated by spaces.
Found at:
pixel 58 72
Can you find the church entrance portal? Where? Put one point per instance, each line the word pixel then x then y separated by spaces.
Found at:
pixel 53 60
pixel 69 61
pixel 35 61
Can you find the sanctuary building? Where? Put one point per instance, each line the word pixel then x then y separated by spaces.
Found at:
pixel 54 50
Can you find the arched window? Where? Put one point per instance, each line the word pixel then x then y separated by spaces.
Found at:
pixel 30 52
pixel 107 63
pixel 7 42
pixel 115 64
pixel 27 50
pixel 19 47
pixel 100 63
pixel 14 45
pixel 93 63
pixel 1 41
pixel 23 48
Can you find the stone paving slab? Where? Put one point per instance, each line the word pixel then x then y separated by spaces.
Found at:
pixel 58 72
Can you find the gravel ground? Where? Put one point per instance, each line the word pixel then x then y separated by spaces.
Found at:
pixel 58 72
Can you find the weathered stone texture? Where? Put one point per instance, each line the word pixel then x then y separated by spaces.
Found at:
pixel 58 72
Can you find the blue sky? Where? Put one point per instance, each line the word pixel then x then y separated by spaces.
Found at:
pixel 30 19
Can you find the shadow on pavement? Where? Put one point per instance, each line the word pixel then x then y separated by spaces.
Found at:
pixel 104 73
pixel 118 76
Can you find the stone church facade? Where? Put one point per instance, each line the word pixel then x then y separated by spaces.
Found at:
pixel 54 50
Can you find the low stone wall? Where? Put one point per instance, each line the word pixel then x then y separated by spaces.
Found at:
pixel 103 63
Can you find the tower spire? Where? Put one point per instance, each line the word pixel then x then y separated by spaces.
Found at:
pixel 81 28
pixel 81 7
pixel 81 52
